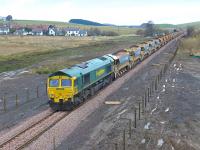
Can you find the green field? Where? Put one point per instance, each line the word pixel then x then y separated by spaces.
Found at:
pixel 53 53
pixel 195 24
pixel 166 26
pixel 190 46
pixel 185 25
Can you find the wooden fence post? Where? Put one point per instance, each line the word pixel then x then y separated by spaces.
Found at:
pixel 4 103
pixel 139 110
pixel 54 143
pixel 129 128
pixel 124 140
pixel 16 100
pixel 37 91
pixel 27 94
pixel 135 117
pixel 116 146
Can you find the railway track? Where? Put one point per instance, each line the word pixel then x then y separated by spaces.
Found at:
pixel 28 135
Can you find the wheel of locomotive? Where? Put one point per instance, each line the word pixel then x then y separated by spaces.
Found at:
pixel 67 107
pixel 54 108
pixel 92 91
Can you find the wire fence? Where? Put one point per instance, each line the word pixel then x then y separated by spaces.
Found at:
pixel 10 101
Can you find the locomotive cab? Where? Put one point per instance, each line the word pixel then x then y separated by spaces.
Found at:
pixel 61 88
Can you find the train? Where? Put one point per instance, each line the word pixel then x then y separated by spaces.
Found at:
pixel 70 87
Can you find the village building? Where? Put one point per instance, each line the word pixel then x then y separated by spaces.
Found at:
pixel 37 31
pixel 4 30
pixel 51 30
pixel 75 32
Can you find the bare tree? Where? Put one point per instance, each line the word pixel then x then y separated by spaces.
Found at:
pixel 149 28
pixel 190 31
pixel 9 18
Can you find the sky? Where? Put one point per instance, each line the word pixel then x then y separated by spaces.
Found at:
pixel 118 12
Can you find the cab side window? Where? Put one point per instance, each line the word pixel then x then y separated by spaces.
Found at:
pixel 86 79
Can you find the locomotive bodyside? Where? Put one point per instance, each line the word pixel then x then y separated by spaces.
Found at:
pixel 71 86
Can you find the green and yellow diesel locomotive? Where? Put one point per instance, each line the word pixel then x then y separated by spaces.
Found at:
pixel 71 86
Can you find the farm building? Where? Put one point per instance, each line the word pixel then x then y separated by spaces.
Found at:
pixel 37 31
pixel 22 31
pixel 52 30
pixel 4 30
pixel 75 32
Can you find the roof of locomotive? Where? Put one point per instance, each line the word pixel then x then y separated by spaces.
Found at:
pixel 85 67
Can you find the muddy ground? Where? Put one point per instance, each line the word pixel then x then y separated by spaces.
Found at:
pixel 171 119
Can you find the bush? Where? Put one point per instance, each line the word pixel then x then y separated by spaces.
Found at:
pixel 109 33
pixel 140 32
pixel 97 32
pixel 190 31
pixel 94 32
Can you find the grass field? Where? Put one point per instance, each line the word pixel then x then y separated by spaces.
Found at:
pixel 190 46
pixel 166 26
pixel 195 24
pixel 27 44
pixel 185 25
pixel 48 54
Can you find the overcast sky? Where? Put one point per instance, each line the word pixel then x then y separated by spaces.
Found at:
pixel 119 12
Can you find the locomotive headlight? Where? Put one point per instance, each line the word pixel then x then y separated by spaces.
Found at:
pixel 51 95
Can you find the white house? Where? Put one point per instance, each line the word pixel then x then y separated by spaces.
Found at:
pixel 22 32
pixel 37 31
pixel 4 30
pixel 3 18
pixel 52 30
pixel 75 32
pixel 72 32
pixel 19 32
pixel 82 33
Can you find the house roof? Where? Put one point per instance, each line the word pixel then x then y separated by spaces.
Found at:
pixel 82 32
pixel 4 28
pixel 36 30
pixel 72 29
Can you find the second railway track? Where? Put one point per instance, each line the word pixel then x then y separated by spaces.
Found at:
pixel 28 135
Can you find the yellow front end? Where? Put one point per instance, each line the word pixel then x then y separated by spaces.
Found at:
pixel 61 89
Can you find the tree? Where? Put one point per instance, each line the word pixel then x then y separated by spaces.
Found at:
pixel 9 18
pixel 140 32
pixel 12 30
pixel 28 29
pixel 149 28
pixel 190 31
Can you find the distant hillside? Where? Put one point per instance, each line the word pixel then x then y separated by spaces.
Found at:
pixel 86 22
pixel 166 26
pixel 195 24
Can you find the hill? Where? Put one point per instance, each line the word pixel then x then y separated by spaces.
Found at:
pixel 164 26
pixel 86 22
pixel 195 24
